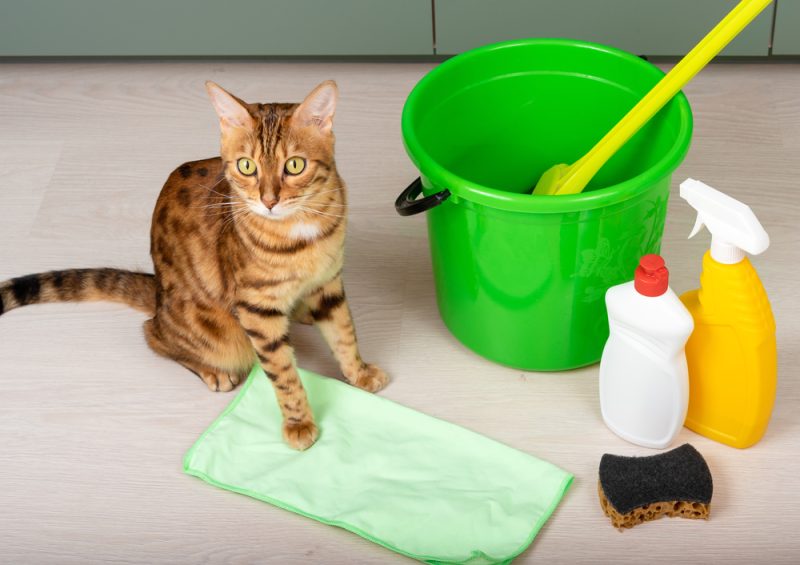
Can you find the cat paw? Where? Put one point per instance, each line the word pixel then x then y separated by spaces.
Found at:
pixel 300 436
pixel 220 382
pixel 370 378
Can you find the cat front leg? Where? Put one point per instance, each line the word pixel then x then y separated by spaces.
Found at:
pixel 268 330
pixel 331 313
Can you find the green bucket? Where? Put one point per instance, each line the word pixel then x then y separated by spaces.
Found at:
pixel 521 279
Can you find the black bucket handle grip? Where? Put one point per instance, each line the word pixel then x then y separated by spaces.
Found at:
pixel 407 204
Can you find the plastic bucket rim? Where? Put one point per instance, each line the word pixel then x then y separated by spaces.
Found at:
pixel 460 187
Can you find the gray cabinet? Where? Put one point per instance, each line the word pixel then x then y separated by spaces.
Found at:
pixel 215 27
pixel 370 27
pixel 787 28
pixel 646 27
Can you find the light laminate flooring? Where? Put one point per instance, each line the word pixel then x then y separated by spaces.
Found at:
pixel 93 425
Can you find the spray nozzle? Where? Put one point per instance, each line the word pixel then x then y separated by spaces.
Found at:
pixel 733 226
pixel 698 225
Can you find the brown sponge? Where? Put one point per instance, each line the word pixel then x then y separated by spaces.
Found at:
pixel 634 490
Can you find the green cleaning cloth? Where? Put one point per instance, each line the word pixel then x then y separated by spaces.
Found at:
pixel 417 485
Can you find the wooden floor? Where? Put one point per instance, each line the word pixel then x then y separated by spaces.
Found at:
pixel 93 425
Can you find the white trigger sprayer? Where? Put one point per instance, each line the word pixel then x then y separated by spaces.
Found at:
pixel 733 225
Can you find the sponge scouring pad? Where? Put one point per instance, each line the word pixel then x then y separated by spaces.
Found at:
pixel 634 490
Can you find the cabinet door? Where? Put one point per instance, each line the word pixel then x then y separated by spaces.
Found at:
pixel 215 28
pixel 644 27
pixel 787 28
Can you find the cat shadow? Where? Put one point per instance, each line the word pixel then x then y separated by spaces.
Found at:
pixel 395 284
pixel 383 280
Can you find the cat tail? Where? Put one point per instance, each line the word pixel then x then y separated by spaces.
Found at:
pixel 137 290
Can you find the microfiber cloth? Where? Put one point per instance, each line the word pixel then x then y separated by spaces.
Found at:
pixel 417 485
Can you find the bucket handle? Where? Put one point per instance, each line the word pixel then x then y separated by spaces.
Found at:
pixel 407 205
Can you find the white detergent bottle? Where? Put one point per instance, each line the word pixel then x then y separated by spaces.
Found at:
pixel 644 382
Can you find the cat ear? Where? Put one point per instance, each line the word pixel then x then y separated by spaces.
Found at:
pixel 318 107
pixel 231 110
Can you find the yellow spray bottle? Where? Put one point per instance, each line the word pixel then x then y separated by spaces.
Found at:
pixel 732 355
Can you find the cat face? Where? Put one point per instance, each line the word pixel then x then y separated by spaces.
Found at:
pixel 277 157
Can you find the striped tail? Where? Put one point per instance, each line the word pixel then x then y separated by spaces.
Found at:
pixel 81 285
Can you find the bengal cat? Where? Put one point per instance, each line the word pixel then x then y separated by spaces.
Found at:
pixel 240 244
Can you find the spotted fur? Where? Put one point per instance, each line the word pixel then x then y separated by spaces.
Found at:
pixel 230 271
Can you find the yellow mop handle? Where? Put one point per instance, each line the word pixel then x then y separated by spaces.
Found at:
pixel 583 170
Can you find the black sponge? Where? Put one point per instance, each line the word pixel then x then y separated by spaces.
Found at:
pixel 636 489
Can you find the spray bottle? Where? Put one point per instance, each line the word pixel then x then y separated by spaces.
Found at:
pixel 732 354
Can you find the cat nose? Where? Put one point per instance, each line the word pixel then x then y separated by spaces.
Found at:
pixel 270 203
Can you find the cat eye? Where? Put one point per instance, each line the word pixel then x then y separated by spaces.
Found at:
pixel 246 166
pixel 295 165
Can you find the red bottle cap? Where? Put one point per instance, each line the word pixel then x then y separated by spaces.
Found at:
pixel 651 277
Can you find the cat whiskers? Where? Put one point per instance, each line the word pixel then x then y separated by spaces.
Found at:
pixel 234 215
pixel 333 205
pixel 219 213
pixel 231 204
pixel 211 188
pixel 315 193
pixel 319 212
pixel 233 209
pixel 304 202
pixel 212 211
pixel 321 206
